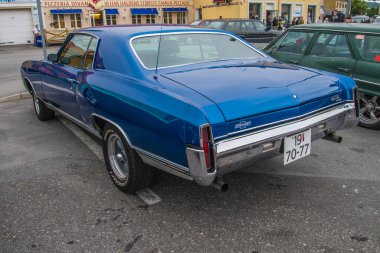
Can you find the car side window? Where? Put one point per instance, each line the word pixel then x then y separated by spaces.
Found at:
pixel 75 50
pixel 248 27
pixel 295 42
pixel 368 46
pixel 233 26
pixel 260 26
pixel 331 45
pixel 215 24
pixel 90 54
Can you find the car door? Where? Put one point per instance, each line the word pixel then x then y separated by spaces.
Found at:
pixel 367 49
pixel 60 79
pixel 291 47
pixel 330 51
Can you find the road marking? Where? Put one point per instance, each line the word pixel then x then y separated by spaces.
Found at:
pixel 147 195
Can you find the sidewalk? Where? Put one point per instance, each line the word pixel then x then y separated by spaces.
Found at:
pixel 11 58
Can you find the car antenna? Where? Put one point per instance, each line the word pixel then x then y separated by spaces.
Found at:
pixel 158 52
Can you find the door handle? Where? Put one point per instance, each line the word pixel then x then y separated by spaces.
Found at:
pixel 345 70
pixel 294 62
pixel 73 83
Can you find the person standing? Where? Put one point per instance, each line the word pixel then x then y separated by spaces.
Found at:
pixel 36 33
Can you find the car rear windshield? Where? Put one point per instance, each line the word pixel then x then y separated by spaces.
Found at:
pixel 189 48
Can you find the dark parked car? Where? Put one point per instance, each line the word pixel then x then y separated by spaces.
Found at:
pixel 251 30
pixel 361 19
pixel 195 102
pixel 348 49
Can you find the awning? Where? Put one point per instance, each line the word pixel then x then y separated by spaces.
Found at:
pixel 144 11
pixel 174 9
pixel 112 11
pixel 66 11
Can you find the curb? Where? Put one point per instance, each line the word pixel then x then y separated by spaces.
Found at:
pixel 15 97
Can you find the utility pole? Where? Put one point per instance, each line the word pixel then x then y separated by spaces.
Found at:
pixel 42 28
pixel 348 8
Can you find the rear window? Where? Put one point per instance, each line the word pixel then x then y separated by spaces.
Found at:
pixel 368 46
pixel 188 48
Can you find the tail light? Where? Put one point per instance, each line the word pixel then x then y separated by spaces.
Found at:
pixel 356 100
pixel 207 147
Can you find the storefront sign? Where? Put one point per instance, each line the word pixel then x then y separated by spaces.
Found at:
pixel 298 11
pixel 99 4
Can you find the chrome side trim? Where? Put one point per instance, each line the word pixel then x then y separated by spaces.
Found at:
pixel 163 164
pixel 189 32
pixel 113 123
pixel 277 122
pixel 149 158
pixel 245 140
pixel 76 121
pixel 364 81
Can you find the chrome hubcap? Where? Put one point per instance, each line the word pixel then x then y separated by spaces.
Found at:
pixel 37 105
pixel 369 109
pixel 117 156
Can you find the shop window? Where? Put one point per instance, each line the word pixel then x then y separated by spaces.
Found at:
pixel 136 19
pixel 111 19
pixel 150 19
pixel 58 21
pixel 181 17
pixel 168 18
pixel 76 21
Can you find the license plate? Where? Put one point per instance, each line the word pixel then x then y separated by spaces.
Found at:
pixel 297 146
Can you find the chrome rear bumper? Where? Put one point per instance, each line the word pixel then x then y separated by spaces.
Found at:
pixel 238 152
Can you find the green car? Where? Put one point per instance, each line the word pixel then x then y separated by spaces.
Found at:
pixel 348 49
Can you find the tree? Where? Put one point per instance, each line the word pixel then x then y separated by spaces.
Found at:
pixel 358 7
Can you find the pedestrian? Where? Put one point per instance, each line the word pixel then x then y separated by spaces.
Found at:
pixel 326 20
pixel 309 18
pixel 36 33
pixel 301 21
pixel 349 19
pixel 294 21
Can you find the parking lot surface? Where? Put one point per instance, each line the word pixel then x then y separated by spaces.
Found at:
pixel 56 196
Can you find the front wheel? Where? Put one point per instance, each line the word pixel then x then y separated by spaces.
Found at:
pixel 369 111
pixel 125 167
pixel 43 113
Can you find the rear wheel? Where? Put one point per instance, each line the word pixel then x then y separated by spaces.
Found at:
pixel 125 167
pixel 369 111
pixel 43 113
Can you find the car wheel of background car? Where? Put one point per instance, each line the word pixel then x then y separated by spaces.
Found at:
pixel 43 113
pixel 369 111
pixel 124 166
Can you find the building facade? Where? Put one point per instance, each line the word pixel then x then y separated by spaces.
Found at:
pixel 63 16
pixel 17 19
pixel 258 9
pixel 332 5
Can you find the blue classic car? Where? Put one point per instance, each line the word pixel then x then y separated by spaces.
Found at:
pixel 193 102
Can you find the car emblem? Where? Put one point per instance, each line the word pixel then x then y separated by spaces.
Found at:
pixel 294 96
pixel 243 124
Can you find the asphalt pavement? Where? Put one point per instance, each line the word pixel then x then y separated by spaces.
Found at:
pixel 56 196
pixel 11 58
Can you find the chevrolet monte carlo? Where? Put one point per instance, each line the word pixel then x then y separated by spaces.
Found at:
pixel 193 102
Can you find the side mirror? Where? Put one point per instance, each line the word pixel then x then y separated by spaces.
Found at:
pixel 52 57
pixel 267 29
pixel 65 60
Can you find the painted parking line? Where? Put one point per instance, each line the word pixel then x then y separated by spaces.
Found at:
pixel 147 195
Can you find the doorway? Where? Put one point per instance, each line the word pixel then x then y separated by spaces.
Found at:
pixel 96 18
pixel 311 11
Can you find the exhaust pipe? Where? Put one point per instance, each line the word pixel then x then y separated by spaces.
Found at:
pixel 333 137
pixel 220 184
